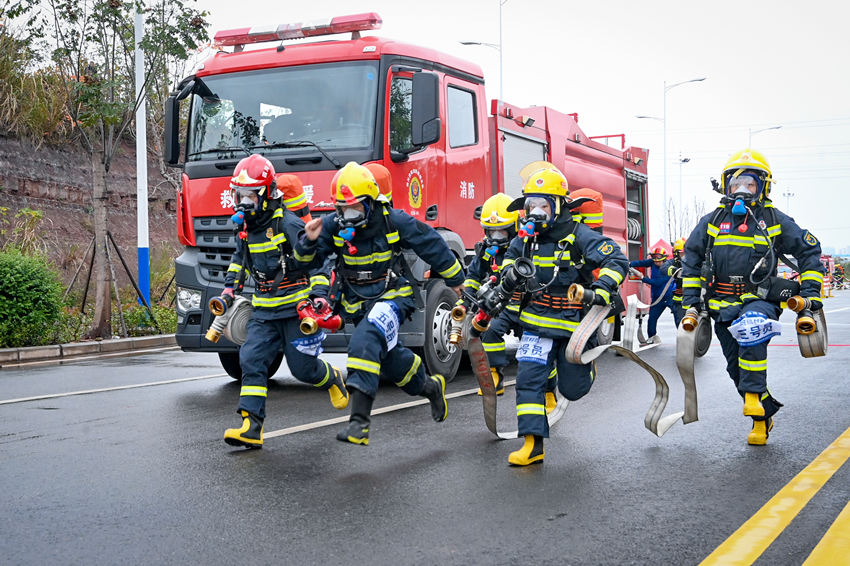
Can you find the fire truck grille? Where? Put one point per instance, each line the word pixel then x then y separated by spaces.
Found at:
pixel 216 244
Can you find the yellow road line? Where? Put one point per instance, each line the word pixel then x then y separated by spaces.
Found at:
pixel 834 547
pixel 753 537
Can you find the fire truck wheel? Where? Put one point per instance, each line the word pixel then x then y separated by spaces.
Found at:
pixel 230 363
pixel 438 322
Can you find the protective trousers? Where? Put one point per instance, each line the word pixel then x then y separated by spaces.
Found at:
pixel 655 312
pixel 369 360
pixel 493 339
pixel 678 311
pixel 747 365
pixel 574 382
pixel 264 340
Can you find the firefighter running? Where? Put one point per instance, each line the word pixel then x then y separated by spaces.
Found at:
pixel 268 248
pixel 735 249
pixel 499 229
pixel 557 245
pixel 673 268
pixel 376 293
pixel 661 290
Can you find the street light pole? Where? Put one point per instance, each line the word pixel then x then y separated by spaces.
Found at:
pixel 752 131
pixel 787 194
pixel 664 120
pixel 497 47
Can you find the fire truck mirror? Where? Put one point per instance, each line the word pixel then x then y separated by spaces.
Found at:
pixel 425 109
pixel 477 214
pixel 171 147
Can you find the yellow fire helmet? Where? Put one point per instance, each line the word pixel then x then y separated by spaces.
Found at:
pixel 679 245
pixel 354 183
pixel 748 161
pixel 495 214
pixel 547 181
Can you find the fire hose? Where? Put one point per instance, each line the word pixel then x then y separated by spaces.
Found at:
pixel 575 353
pixel 231 318
pixel 812 335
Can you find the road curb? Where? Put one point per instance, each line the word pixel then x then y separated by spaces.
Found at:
pixel 14 356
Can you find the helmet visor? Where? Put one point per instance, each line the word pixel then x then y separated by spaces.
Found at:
pixel 744 184
pixel 496 236
pixel 351 214
pixel 538 208
pixel 245 198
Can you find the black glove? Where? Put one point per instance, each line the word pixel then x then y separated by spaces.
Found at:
pixel 598 299
pixel 815 305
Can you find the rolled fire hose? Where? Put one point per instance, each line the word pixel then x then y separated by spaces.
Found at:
pixel 575 353
pixel 815 344
pixel 233 323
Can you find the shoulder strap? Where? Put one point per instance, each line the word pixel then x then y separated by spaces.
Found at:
pixel 394 240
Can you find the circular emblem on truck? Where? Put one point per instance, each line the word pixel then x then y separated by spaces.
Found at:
pixel 414 188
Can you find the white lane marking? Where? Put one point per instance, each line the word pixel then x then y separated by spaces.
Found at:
pixel 382 410
pixel 837 310
pixel 61 361
pixel 119 388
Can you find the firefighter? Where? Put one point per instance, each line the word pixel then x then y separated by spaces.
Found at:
pixel 661 290
pixel 734 249
pixel 499 227
pixel 673 268
pixel 268 248
pixel 557 245
pixel 294 197
pixel 376 292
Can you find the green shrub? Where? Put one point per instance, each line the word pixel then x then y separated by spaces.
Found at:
pixel 138 320
pixel 30 300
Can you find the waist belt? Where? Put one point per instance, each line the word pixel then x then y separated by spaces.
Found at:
pixel 267 286
pixel 732 288
pixel 556 302
pixel 363 277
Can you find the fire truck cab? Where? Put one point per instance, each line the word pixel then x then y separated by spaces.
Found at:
pixel 311 107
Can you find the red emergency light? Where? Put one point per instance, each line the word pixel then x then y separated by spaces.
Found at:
pixel 260 34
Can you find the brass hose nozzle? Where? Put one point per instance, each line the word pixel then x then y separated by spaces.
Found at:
pixel 458 313
pixel 308 325
pixel 798 303
pixel 690 320
pixel 212 335
pixel 806 323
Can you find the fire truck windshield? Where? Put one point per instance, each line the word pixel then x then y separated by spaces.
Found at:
pixel 331 106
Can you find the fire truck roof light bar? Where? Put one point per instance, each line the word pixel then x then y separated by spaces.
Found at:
pixel 260 34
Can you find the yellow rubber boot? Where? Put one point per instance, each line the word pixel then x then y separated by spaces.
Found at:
pixel 498 382
pixel 337 390
pixel 761 430
pixel 551 401
pixel 530 453
pixel 752 405
pixel 249 435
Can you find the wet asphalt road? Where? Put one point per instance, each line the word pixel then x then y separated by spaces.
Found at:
pixel 142 476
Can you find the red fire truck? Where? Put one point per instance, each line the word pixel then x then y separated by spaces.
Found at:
pixel 311 107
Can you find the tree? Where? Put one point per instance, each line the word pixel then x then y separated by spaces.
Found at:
pixel 94 51
pixel 682 218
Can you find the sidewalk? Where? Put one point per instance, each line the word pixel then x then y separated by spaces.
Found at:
pixel 14 356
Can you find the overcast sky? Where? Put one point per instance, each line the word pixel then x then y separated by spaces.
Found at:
pixel 777 63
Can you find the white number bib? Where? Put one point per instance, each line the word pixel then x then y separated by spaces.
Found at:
pixel 310 345
pixel 385 318
pixel 752 328
pixel 534 349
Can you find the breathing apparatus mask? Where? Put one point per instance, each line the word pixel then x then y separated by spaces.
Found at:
pixel 349 218
pixel 496 239
pixel 539 215
pixel 743 191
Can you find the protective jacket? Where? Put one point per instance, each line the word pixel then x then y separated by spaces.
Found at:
pixel 280 264
pixel 658 278
pixel 371 270
pixel 673 268
pixel 558 256
pixel 733 253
